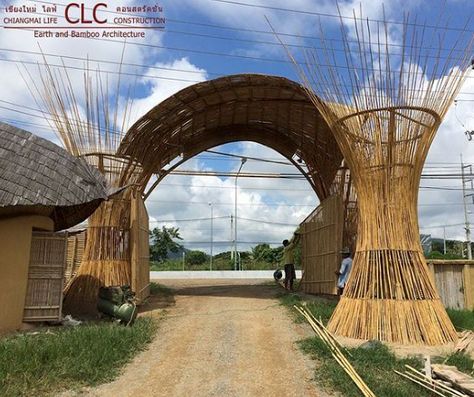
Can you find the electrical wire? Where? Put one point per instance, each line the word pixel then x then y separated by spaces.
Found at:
pixel 260 32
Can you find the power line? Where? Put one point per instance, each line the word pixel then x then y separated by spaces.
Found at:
pixel 293 176
pixel 191 219
pixel 277 204
pixel 329 15
pixel 284 175
pixel 247 157
pixel 247 30
pixel 150 76
pixel 441 226
pixel 225 204
pixel 37 53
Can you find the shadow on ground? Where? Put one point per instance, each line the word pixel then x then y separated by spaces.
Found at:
pixel 251 291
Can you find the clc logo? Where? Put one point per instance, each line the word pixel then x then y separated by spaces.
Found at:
pixel 83 17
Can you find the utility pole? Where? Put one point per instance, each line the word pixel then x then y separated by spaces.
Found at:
pixel 232 237
pixel 444 240
pixel 212 235
pixel 242 162
pixel 464 196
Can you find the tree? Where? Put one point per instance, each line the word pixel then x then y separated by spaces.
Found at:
pixel 196 258
pixel 162 242
pixel 264 253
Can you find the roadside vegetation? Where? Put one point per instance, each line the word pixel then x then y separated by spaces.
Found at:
pixel 373 361
pixel 167 254
pixel 462 319
pixel 46 362
pixel 53 359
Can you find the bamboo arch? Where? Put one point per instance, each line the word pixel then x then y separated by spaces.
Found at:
pixel 269 110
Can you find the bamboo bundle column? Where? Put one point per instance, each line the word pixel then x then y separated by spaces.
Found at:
pixel 384 108
pixel 106 258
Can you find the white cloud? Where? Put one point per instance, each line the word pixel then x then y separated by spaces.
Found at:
pixel 160 89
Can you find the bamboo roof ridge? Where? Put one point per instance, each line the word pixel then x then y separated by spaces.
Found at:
pixel 39 177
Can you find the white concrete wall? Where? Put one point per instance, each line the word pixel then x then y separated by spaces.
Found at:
pixel 223 274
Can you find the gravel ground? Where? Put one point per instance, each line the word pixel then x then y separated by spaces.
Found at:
pixel 219 338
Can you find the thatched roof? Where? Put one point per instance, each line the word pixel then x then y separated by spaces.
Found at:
pixel 39 177
pixel 269 110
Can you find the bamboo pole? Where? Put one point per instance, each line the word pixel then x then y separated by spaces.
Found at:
pixel 333 346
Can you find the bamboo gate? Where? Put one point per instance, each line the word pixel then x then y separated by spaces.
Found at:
pixel 381 117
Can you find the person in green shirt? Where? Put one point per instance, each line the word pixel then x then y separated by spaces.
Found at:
pixel 288 260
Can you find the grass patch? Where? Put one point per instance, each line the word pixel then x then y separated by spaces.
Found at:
pixel 217 264
pixel 375 365
pixel 320 307
pixel 69 358
pixel 462 319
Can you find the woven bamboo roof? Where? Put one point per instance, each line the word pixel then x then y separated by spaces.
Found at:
pixel 39 177
pixel 269 110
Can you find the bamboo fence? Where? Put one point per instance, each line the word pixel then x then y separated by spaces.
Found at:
pixel 322 234
pixel 384 110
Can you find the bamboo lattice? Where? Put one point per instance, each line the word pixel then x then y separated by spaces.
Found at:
pixel 384 109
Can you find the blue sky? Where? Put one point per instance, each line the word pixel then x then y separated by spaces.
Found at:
pixel 187 28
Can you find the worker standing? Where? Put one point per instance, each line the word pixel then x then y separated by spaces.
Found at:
pixel 343 273
pixel 288 260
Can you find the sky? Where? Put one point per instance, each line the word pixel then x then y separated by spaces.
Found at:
pixel 205 39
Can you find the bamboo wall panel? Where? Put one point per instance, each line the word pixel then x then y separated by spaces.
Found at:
pixel 322 234
pixel 140 250
pixel 450 285
pixel 44 296
pixel 75 250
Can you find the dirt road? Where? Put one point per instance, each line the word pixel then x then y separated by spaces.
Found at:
pixel 219 338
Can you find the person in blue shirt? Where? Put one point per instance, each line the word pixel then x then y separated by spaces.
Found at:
pixel 343 273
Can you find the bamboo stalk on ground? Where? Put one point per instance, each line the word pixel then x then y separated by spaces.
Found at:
pixel 434 381
pixel 433 385
pixel 333 346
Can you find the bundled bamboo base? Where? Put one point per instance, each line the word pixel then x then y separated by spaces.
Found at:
pixel 106 259
pixel 390 296
pixel 393 320
pixel 82 292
